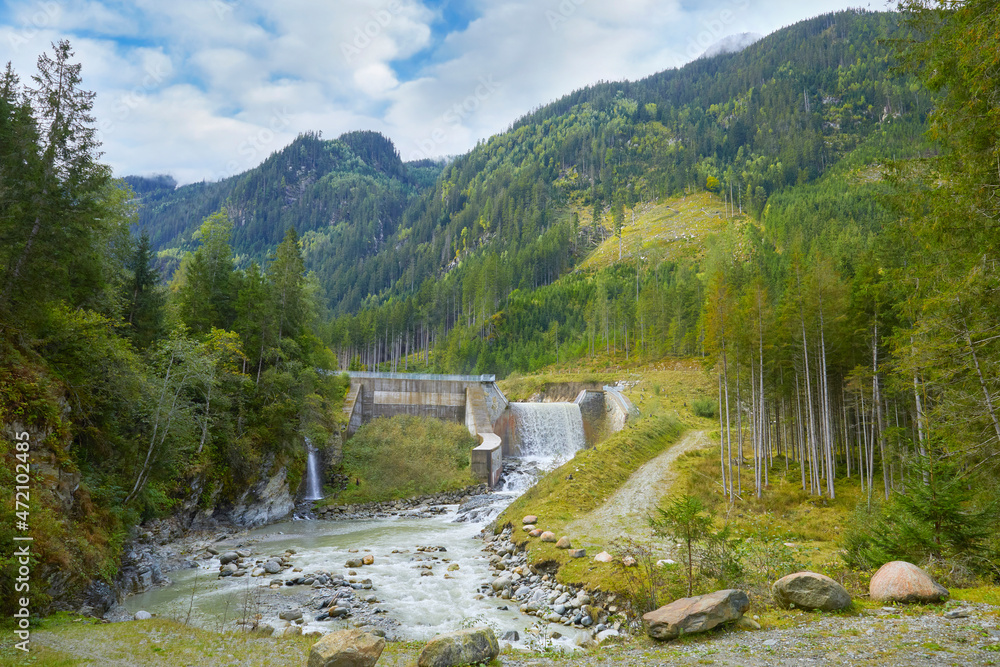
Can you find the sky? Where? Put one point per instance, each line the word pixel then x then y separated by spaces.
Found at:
pixel 203 89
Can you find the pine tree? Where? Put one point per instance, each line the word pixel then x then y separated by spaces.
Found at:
pixel 207 297
pixel 49 242
pixel 145 298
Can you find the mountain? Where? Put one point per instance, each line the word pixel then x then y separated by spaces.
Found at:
pixel 344 197
pixel 528 204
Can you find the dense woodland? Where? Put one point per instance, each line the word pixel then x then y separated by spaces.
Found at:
pixel 170 342
pixel 154 397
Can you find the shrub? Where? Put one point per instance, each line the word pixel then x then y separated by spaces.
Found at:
pixel 404 456
pixel 705 407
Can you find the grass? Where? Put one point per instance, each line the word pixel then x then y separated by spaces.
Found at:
pixel 583 484
pixel 667 230
pixel 63 640
pixel 405 456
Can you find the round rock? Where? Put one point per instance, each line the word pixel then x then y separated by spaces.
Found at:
pixel 899 581
pixel 810 590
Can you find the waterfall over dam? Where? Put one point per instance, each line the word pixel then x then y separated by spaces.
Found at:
pixel 546 430
pixel 502 428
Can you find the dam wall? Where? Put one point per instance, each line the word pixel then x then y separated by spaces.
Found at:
pixel 467 399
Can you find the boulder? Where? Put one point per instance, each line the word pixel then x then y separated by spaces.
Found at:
pixel 604 557
pixel 347 648
pixel 536 532
pixel 464 647
pixel 548 536
pixel 809 590
pixel 272 567
pixel 142 616
pixel 531 518
pixel 368 560
pixel 528 527
pixel 696 614
pixel 577 553
pixel 900 581
pixel 353 563
pixel 228 557
pixel 290 615
pixel 292 631
pixel 563 543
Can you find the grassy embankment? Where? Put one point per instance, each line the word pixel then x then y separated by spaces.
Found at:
pixel 403 457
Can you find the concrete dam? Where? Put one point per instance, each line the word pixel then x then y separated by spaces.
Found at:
pixel 502 428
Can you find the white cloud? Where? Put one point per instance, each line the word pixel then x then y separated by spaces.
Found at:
pixel 206 88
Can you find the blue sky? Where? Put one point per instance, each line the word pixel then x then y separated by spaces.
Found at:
pixel 202 89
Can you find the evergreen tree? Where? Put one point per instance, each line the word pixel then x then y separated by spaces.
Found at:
pixel 207 297
pixel 50 241
pixel 146 299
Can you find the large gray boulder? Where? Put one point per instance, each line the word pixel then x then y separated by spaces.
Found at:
pixel 810 590
pixel 696 614
pixel 900 581
pixel 464 647
pixel 347 648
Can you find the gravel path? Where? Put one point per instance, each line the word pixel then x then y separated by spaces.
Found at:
pixel 898 638
pixel 625 512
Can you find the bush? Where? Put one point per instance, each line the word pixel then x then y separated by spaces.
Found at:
pixel 405 456
pixel 705 407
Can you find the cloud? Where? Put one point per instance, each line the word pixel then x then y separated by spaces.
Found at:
pixel 206 88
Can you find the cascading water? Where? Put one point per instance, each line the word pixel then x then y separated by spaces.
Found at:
pixel 548 434
pixel 314 485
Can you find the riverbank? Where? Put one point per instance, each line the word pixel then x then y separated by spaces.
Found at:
pixel 892 637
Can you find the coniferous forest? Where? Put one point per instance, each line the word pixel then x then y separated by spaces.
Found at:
pixel 174 345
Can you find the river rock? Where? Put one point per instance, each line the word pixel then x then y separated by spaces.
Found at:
pixel 563 543
pixel 696 614
pixel 353 563
pixel 347 648
pixel 228 557
pixel 263 630
pixel 272 567
pixel 604 557
pixel 142 616
pixel 291 631
pixel 464 647
pixel 290 615
pixel 368 560
pixel 810 590
pixel 548 536
pixel 900 581
pixel 531 518
pixel 501 583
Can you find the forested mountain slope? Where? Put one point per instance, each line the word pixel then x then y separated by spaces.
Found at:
pixel 345 196
pixel 525 206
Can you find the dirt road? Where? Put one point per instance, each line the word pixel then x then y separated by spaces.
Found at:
pixel 625 512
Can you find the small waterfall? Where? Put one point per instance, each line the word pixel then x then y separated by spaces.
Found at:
pixel 550 433
pixel 314 486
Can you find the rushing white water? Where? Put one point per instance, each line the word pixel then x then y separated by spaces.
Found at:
pixel 550 433
pixel 314 486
